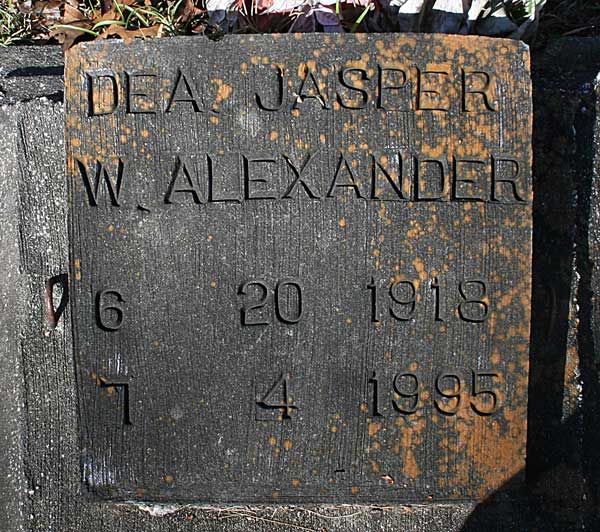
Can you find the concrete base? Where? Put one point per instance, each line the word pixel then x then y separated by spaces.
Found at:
pixel 40 477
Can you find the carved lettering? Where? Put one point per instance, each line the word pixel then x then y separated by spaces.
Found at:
pixel 448 386
pixel 119 384
pixel 109 310
pixel 278 398
pixel 476 83
pixel 507 181
pixel 141 92
pixel 430 179
pixel 299 179
pixel 394 81
pixel 404 298
pixel 287 299
pixel 356 86
pixel 474 307
pixel 185 92
pixel 389 88
pixel 310 89
pixel 387 175
pixel 432 90
pixel 372 287
pixel 469 180
pixel 406 386
pixel 101 175
pixel 234 177
pixel 182 178
pixel 344 167
pixel 448 390
pixel 437 303
pixel 256 306
pixel 469 298
pixel 483 386
pixel 223 185
pixel 374 381
pixel 103 92
pixel 288 310
pixel 251 190
pixel 281 92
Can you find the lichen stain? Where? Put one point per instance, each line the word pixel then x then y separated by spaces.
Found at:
pixel 224 91
pixel 374 428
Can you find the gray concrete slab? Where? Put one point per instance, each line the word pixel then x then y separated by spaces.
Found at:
pixel 28 72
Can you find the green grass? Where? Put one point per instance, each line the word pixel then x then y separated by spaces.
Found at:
pixel 14 26
pixel 164 17
pixel 164 14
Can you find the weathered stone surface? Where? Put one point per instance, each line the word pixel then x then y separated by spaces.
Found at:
pixel 316 293
pixel 562 452
pixel 29 72
pixel 36 380
pixel 11 418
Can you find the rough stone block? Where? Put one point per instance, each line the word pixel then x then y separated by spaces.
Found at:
pixel 301 266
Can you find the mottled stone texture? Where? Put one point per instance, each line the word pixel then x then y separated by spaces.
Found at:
pixel 39 463
pixel 27 73
pixel 11 418
pixel 241 288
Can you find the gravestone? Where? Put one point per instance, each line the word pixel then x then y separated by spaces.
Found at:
pixel 300 267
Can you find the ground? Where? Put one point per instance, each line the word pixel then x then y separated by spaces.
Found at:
pixel 35 21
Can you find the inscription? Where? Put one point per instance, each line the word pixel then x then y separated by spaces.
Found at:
pixel 300 267
pixel 122 386
pixel 101 175
pixel 393 176
pixel 282 301
pixel 400 300
pixel 277 399
pixel 287 302
pixel 385 87
pixel 109 310
pixel 408 391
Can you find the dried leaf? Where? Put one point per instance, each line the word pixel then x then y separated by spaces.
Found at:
pixel 111 14
pixel 68 36
pixel 115 30
pixel 188 10
pixel 72 14
pixel 199 28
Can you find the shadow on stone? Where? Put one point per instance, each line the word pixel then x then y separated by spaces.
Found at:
pixel 563 464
